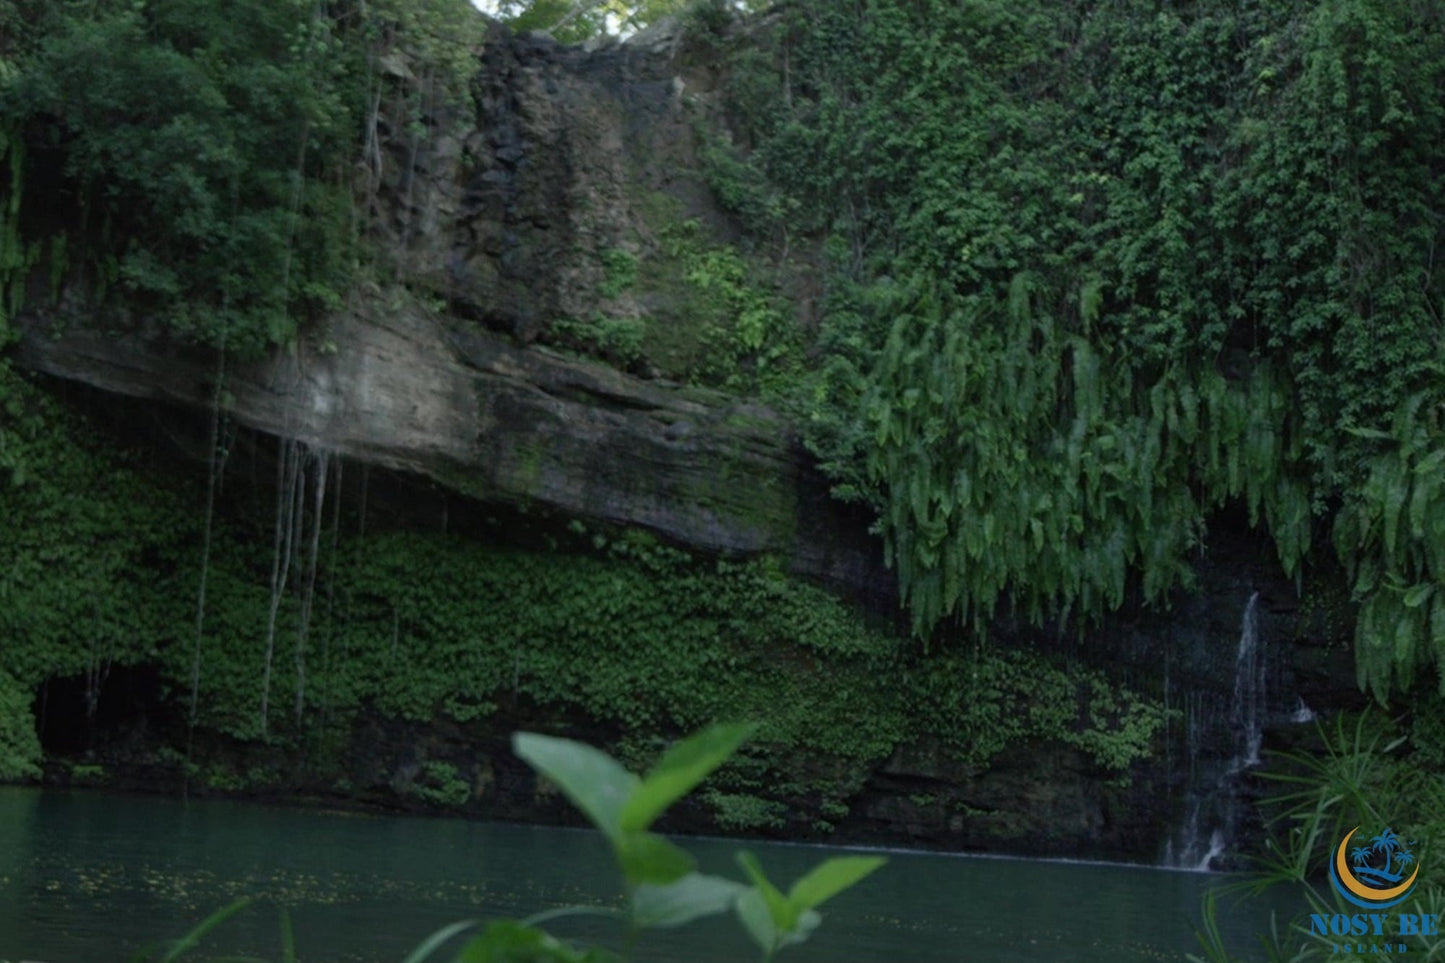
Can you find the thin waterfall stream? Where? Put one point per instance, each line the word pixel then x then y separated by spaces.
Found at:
pixel 1222 748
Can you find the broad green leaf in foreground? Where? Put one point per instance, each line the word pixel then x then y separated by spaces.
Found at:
pixel 830 878
pixel 692 897
pixel 507 941
pixel 753 913
pixel 590 778
pixel 752 910
pixel 774 920
pixel 649 858
pixel 680 769
pixel 783 914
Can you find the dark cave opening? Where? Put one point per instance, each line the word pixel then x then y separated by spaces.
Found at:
pixel 77 714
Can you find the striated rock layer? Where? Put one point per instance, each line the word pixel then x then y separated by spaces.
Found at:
pixel 497 226
pixel 405 391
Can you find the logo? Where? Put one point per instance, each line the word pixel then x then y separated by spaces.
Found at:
pixel 1373 875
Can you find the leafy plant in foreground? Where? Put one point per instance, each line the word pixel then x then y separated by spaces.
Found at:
pixel 660 880
pixel 1362 775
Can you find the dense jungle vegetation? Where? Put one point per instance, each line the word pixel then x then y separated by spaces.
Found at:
pixel 1100 269
pixel 1092 273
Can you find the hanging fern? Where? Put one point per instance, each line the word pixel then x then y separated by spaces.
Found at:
pixel 1160 260
pixel 1391 537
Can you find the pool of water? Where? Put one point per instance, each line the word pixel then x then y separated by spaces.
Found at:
pixel 87 877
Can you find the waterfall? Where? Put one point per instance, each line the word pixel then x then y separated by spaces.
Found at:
pixel 1247 713
pixel 1221 747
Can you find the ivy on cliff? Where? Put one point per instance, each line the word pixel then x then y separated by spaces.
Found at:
pixel 87 582
pixel 646 640
pixel 640 637
pixel 1098 270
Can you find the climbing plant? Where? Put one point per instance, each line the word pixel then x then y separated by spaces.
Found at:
pixel 19 747
pixel 1096 271
pixel 638 636
pixel 89 576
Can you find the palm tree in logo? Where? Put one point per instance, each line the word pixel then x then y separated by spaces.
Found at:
pixel 1360 854
pixel 1389 844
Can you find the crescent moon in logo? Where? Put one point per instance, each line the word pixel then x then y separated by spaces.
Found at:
pixel 1347 879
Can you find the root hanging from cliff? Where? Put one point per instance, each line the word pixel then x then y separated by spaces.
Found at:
pixel 218 450
pixel 322 460
pixel 217 453
pixel 331 568
pixel 288 499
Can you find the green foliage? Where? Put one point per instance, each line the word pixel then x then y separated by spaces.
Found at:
pixel 616 339
pixel 19 745
pixel 1361 774
pixel 725 325
pixel 619 271
pixel 573 21
pixel 663 889
pixel 666 643
pixel 506 941
pixel 207 150
pixel 1093 271
pixel 195 138
pixel 90 575
pixel 623 806
pixel 748 342
pixel 738 812
pixel 1054 495
pixel 1390 535
pixel 774 920
pixel 982 704
pixel 1096 271
pixel 440 784
pixel 439 38
pixel 82 774
pixel 742 188
pixel 631 633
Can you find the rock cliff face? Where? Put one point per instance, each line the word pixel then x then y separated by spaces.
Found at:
pixel 498 225
pixel 406 390
pixel 499 221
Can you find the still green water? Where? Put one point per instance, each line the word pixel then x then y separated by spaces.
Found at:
pixel 90 877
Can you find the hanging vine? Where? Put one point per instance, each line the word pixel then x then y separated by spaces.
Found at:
pixel 217 451
pixel 289 485
pixel 320 473
pixel 329 617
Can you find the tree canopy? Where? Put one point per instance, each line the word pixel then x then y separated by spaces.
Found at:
pixel 572 21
